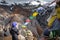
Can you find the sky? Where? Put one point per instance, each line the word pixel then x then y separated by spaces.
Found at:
pixel 22 1
pixel 25 0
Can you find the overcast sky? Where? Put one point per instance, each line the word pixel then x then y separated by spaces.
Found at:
pixel 25 0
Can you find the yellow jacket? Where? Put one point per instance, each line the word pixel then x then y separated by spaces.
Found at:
pixel 54 17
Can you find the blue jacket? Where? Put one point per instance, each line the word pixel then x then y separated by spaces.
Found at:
pixel 56 25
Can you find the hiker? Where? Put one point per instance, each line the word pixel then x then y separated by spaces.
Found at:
pixel 55 16
pixel 54 23
pixel 14 31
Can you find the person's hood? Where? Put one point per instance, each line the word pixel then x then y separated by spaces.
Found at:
pixel 14 24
